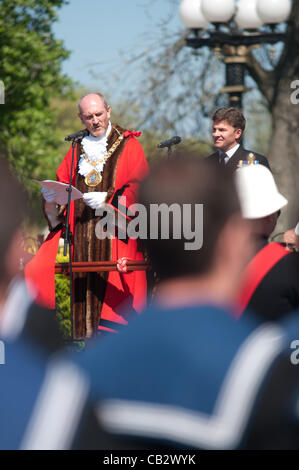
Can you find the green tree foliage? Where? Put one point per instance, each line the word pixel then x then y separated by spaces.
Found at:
pixel 30 69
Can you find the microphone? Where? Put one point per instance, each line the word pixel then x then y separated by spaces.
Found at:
pixel 77 135
pixel 168 143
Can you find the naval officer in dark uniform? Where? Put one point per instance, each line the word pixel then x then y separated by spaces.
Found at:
pixel 228 127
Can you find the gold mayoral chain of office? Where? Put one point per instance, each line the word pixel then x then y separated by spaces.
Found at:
pixel 94 177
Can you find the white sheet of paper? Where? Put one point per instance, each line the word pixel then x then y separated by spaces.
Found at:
pixel 61 190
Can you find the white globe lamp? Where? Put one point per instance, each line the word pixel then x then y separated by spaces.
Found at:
pixel 246 16
pixel 274 11
pixel 191 14
pixel 218 11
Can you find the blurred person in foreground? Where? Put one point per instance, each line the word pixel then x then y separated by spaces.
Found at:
pixel 271 284
pixel 29 333
pixel 186 373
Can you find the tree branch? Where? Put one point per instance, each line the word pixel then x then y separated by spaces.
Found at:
pixel 264 79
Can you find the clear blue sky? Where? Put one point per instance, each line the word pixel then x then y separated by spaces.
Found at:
pixel 105 32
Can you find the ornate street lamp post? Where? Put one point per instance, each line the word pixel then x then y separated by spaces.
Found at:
pixel 232 29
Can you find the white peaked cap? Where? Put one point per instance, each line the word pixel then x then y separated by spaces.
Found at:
pixel 258 192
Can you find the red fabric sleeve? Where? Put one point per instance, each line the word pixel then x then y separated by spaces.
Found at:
pixel 40 271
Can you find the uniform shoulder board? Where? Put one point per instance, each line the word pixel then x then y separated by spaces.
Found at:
pixel 250 161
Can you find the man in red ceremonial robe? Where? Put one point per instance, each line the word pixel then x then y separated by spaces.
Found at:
pixel 109 164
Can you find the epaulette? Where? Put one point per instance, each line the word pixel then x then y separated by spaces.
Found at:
pixel 250 161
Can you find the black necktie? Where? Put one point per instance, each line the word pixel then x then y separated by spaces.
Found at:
pixel 222 158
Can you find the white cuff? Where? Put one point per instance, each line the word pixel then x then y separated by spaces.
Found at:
pixel 95 199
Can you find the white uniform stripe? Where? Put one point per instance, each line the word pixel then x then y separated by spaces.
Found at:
pixel 243 381
pixel 14 313
pixel 58 409
pixel 223 429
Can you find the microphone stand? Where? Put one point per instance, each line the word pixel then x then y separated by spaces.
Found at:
pixel 169 150
pixel 68 236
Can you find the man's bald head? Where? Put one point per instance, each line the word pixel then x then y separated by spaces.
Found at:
pixel 92 97
pixel 94 113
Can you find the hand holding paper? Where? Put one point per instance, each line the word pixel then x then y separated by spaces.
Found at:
pixel 50 195
pixel 54 191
